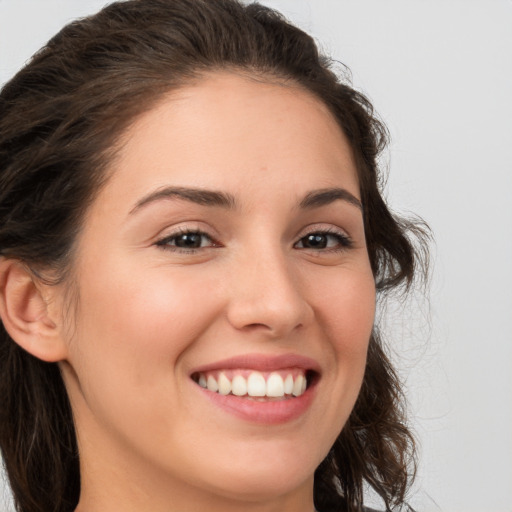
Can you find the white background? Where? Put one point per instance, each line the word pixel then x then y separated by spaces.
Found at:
pixel 440 74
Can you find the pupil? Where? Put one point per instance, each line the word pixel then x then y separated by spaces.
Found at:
pixel 316 241
pixel 189 240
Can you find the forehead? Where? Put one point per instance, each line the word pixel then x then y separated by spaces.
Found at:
pixel 236 132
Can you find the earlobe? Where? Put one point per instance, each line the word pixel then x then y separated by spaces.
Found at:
pixel 25 312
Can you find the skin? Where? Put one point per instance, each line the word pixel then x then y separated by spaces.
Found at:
pixel 148 314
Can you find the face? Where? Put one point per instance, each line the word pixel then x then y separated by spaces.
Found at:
pixel 225 294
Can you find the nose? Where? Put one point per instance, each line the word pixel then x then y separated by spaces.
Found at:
pixel 267 295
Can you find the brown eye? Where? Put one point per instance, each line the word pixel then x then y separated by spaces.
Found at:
pixel 315 241
pixel 324 240
pixel 187 240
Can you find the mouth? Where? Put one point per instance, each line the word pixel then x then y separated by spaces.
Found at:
pixel 260 386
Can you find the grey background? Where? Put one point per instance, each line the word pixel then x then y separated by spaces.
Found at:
pixel 440 74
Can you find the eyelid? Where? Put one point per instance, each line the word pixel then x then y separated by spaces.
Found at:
pixel 186 226
pixel 323 228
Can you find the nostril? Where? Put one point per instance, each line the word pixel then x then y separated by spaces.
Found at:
pixel 272 329
pixel 256 326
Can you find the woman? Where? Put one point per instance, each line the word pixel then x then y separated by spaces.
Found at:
pixel 191 240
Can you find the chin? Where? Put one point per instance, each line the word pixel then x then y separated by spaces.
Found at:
pixel 263 485
pixel 264 474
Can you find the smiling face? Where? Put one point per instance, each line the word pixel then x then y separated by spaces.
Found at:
pixel 221 268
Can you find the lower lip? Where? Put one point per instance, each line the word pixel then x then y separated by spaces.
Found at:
pixel 266 413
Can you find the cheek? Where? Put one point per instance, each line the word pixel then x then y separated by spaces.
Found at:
pixel 133 325
pixel 346 307
pixel 154 306
pixel 345 303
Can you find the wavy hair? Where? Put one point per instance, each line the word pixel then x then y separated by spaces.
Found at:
pixel 61 117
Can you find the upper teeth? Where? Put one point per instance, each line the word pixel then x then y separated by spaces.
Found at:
pixel 255 384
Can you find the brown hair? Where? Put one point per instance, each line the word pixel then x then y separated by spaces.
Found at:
pixel 61 116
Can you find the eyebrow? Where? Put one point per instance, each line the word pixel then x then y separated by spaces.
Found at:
pixel 194 195
pixel 313 199
pixel 326 196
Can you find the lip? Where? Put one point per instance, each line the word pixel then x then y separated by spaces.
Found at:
pixel 262 363
pixel 264 412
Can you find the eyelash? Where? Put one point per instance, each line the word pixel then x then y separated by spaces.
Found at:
pixel 343 241
pixel 165 244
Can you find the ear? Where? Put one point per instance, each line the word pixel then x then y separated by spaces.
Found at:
pixel 26 312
